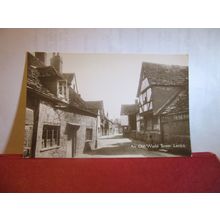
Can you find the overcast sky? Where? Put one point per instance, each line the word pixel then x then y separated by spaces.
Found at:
pixel 112 78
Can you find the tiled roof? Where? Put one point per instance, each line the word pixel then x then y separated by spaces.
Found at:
pixel 49 71
pixel 95 106
pixel 44 71
pixel 76 100
pixel 129 109
pixel 160 74
pixel 36 69
pixel 34 83
pixel 179 104
pixel 33 61
pixel 163 75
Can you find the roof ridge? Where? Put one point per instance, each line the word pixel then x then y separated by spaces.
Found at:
pixel 163 64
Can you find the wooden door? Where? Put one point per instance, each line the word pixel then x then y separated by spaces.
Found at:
pixel 71 142
pixel 166 133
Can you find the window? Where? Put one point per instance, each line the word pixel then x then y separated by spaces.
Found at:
pixel 62 87
pixel 149 94
pixel 150 105
pixel 88 134
pixel 144 84
pixel 149 124
pixel 140 100
pixel 142 124
pixel 145 97
pixel 156 125
pixel 50 136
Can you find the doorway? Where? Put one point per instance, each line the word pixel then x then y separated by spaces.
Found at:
pixel 71 140
pixel 166 133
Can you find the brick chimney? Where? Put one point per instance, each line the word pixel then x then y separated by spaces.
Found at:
pixel 56 62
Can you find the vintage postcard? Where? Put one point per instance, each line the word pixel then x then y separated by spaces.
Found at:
pixel 106 105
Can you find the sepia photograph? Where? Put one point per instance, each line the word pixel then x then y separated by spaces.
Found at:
pixel 106 105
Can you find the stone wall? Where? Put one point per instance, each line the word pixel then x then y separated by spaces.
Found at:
pixel 149 137
pixel 85 122
pixel 51 116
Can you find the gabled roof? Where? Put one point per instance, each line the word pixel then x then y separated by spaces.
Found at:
pixel 163 75
pixel 163 95
pixel 75 99
pixel 33 61
pixel 69 77
pixel 44 71
pixel 95 104
pixel 129 109
pixel 49 71
pixel 34 84
pixel 180 104
pixel 35 72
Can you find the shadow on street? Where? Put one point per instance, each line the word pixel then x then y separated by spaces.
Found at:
pixel 119 149
pixel 118 136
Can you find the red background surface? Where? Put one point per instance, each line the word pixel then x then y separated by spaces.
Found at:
pixel 199 173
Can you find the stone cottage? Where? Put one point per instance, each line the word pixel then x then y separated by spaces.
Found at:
pixel 58 122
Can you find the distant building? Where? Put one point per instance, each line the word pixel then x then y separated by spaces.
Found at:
pixel 58 123
pixel 104 125
pixel 128 119
pixel 97 107
pixel 163 104
pixel 108 126
pixel 116 127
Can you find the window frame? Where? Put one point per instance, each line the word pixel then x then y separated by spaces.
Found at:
pixel 90 134
pixel 50 137
pixel 62 84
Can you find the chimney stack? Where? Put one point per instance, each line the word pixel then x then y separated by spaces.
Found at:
pixel 56 62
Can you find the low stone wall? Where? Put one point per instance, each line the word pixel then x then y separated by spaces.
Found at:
pixel 179 145
pixel 149 137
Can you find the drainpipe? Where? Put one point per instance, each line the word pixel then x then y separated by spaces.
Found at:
pixel 96 141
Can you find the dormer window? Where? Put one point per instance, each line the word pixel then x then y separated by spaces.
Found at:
pixel 62 89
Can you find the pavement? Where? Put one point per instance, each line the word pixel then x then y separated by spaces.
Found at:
pixel 120 147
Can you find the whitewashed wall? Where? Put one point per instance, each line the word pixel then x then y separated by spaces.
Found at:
pixel 202 45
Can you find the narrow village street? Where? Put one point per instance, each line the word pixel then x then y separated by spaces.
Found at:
pixel 119 146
